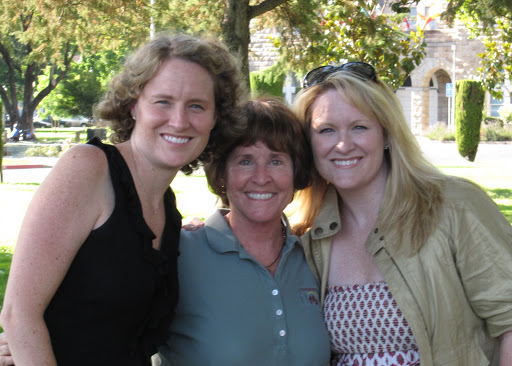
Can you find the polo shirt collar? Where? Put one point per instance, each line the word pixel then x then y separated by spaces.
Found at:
pixel 222 239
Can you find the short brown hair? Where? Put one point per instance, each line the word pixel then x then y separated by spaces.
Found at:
pixel 270 121
pixel 143 65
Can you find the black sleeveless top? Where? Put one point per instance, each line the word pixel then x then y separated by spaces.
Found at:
pixel 118 297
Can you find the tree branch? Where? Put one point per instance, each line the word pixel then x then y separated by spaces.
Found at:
pixel 263 7
pixel 53 82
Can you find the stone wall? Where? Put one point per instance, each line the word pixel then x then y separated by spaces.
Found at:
pixel 262 53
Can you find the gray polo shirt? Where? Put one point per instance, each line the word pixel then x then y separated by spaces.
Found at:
pixel 232 311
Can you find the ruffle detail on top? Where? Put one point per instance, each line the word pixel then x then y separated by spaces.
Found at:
pixel 155 329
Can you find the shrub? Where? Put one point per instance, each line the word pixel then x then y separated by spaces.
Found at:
pixel 497 133
pixel 269 81
pixel 49 151
pixel 488 120
pixel 469 103
pixel 440 132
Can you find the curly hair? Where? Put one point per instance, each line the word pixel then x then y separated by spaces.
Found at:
pixel 141 66
pixel 270 121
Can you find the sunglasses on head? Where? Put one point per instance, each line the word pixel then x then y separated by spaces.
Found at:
pixel 361 69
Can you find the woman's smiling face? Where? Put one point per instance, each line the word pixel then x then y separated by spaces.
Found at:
pixel 348 147
pixel 174 114
pixel 259 182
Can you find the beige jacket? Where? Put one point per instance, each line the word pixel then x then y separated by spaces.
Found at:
pixel 456 292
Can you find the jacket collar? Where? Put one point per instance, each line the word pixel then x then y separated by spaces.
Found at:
pixel 327 222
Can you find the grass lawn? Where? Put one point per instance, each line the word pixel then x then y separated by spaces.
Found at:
pixel 5 264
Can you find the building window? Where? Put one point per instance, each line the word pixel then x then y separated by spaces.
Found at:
pixel 495 104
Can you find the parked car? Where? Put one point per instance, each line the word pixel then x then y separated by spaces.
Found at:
pixel 42 124
pixel 46 122
pixel 76 122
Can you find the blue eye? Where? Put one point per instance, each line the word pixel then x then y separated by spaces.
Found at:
pixel 325 130
pixel 197 106
pixel 276 162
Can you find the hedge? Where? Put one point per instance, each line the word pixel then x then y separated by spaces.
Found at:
pixel 469 104
pixel 268 81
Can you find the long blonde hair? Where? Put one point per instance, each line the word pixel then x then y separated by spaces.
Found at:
pixel 412 200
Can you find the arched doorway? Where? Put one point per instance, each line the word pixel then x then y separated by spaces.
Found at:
pixel 439 103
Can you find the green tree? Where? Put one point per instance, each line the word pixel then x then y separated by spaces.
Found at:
pixel 84 85
pixel 362 31
pixel 230 19
pixel 491 20
pixel 38 36
pixel 312 32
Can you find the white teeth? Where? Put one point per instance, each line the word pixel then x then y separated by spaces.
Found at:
pixel 176 140
pixel 345 162
pixel 260 196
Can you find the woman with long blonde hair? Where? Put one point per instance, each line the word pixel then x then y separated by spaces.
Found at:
pixel 415 266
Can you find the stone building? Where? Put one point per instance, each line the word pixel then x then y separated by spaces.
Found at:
pixel 450 56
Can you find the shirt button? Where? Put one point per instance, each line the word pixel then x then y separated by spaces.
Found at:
pixel 279 312
pixel 376 230
pixel 275 292
pixel 319 231
pixel 282 333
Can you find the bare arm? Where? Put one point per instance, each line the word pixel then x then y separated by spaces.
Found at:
pixel 506 349
pixel 5 353
pixel 75 198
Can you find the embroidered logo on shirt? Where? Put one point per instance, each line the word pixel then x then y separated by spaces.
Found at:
pixel 310 296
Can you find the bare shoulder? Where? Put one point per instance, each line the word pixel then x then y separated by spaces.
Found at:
pixel 83 156
pixel 81 166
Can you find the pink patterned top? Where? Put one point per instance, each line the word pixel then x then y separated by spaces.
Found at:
pixel 366 327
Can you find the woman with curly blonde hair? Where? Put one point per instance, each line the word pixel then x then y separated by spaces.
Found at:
pixel 95 262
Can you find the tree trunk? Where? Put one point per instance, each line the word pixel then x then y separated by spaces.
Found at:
pixel 27 116
pixel 235 32
pixel 235 28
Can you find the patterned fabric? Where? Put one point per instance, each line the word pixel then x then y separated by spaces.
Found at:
pixel 366 327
